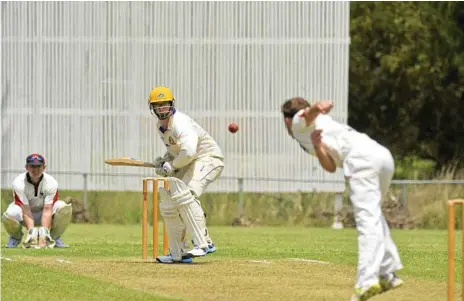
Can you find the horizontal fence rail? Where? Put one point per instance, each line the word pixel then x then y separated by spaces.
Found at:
pixel 239 182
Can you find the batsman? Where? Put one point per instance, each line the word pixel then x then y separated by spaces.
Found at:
pixel 192 161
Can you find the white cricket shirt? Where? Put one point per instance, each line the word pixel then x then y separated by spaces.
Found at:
pixel 340 138
pixel 186 141
pixel 26 193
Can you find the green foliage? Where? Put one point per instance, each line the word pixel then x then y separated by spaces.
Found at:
pixel 406 85
pixel 414 168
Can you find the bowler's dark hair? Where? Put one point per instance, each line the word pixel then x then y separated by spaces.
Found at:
pixel 293 105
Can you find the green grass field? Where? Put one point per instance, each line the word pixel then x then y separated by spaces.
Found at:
pixel 262 263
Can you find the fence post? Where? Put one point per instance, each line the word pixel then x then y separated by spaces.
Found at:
pixel 403 194
pixel 240 197
pixel 85 190
pixel 338 206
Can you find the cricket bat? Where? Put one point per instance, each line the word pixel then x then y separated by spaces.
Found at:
pixel 127 161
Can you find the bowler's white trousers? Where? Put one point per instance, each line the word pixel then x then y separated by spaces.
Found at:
pixel 369 171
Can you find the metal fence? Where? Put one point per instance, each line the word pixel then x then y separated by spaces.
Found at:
pixel 236 184
pixel 76 76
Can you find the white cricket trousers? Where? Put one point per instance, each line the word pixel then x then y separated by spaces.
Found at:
pixel 369 171
pixel 16 212
pixel 202 172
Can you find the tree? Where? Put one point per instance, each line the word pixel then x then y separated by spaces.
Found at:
pixel 406 77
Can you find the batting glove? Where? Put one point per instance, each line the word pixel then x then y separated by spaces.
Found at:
pixel 169 170
pixel 159 162
pixel 160 171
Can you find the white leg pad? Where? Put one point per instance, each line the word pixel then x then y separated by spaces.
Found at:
pixel 202 222
pixel 190 211
pixel 61 220
pixel 175 229
pixel 12 226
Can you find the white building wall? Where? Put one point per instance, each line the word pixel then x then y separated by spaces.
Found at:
pixel 76 77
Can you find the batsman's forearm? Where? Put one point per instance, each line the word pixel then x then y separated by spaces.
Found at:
pixel 27 217
pixel 187 152
pixel 168 157
pixel 325 159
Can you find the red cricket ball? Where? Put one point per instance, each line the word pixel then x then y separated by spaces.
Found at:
pixel 233 127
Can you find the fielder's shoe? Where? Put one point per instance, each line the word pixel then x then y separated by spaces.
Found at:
pixel 60 244
pixel 12 242
pixel 366 293
pixel 389 282
pixel 168 259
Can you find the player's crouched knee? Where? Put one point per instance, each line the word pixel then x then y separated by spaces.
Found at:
pixel 62 208
pixel 60 204
pixel 14 212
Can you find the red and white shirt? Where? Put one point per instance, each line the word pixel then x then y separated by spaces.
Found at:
pixel 36 196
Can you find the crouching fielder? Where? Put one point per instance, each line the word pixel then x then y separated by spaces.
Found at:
pixel 368 168
pixel 35 202
pixel 195 159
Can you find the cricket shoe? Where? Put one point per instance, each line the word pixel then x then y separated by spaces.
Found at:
pixel 197 252
pixel 60 244
pixel 12 242
pixel 211 248
pixel 363 294
pixel 169 259
pixel 390 281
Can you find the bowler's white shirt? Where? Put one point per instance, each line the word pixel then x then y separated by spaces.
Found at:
pixel 26 193
pixel 187 141
pixel 340 138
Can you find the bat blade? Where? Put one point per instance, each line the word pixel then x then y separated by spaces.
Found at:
pixel 127 161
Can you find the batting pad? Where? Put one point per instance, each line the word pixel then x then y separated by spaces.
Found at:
pixel 190 211
pixel 61 220
pixel 163 195
pixel 12 226
pixel 175 228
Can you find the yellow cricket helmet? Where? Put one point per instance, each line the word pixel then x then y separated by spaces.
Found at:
pixel 159 95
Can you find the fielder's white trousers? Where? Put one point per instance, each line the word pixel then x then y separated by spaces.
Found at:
pixel 16 212
pixel 369 171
